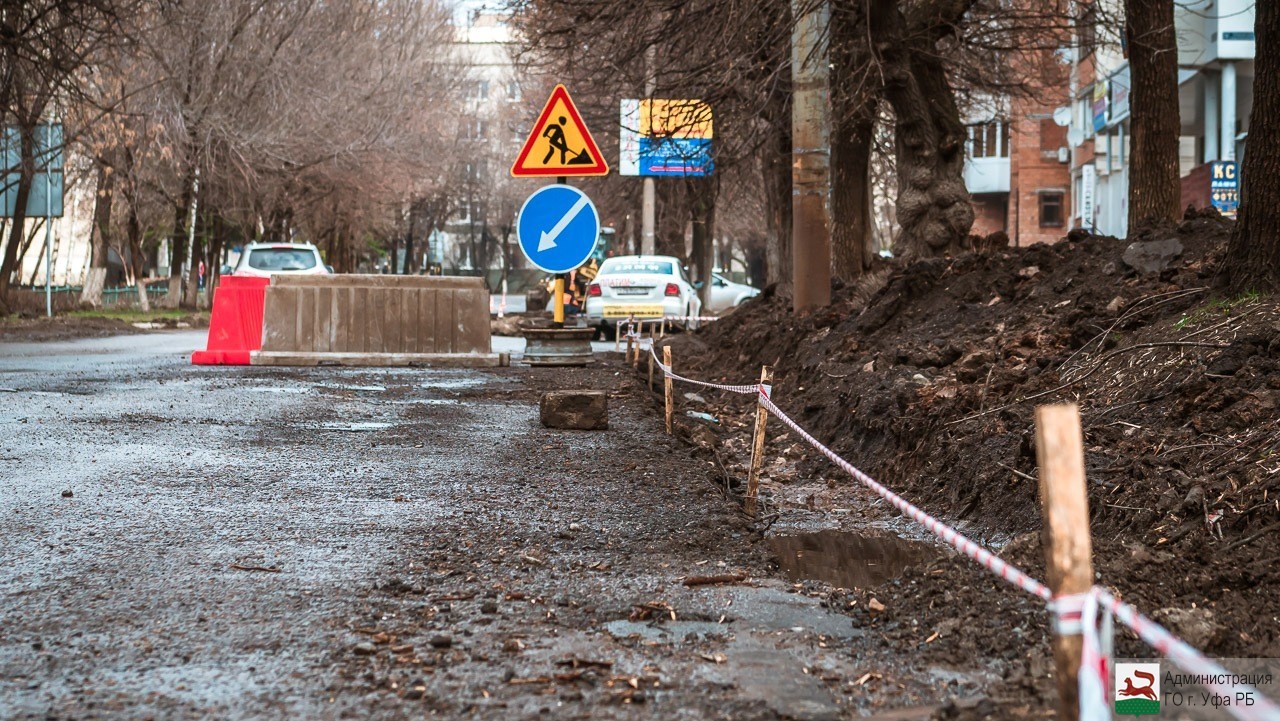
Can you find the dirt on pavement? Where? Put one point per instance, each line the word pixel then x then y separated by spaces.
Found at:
pixel 338 543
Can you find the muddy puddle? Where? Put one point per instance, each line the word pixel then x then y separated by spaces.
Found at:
pixel 848 560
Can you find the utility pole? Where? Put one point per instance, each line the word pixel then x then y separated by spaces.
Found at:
pixel 810 157
pixel 647 245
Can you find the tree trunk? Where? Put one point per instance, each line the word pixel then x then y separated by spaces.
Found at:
pixel 192 294
pixel 178 244
pixel 19 220
pixel 933 206
pixel 1154 186
pixel 95 280
pixel 409 265
pixel 853 114
pixel 851 145
pixel 776 169
pixel 137 259
pixel 1253 257
pixel 757 261
pixel 703 214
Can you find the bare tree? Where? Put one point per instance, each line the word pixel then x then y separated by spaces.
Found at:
pixel 1253 257
pixel 1154 186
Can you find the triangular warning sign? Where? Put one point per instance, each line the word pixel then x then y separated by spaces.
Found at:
pixel 560 143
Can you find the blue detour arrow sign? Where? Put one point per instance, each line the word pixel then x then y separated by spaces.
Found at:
pixel 558 227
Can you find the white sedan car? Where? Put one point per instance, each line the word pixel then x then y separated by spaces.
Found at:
pixel 727 295
pixel 644 287
pixel 266 259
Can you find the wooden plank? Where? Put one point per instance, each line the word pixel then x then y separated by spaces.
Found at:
pixel 1068 549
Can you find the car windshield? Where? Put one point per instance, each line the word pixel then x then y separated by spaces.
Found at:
pixel 656 267
pixel 281 259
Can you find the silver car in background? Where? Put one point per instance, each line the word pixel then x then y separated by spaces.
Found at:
pixel 644 287
pixel 727 295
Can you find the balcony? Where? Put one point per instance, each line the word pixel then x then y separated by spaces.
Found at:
pixel 986 175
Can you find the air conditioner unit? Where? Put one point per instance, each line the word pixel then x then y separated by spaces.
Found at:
pixel 1064 155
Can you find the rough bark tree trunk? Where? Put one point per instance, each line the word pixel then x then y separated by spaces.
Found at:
pixel 1154 186
pixel 1253 256
pixel 776 168
pixel 703 213
pixel 18 222
pixel 136 258
pixel 96 279
pixel 178 250
pixel 851 144
pixel 933 207
pixel 853 112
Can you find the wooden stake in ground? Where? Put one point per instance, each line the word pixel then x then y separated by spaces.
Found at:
pixel 668 391
pixel 630 343
pixel 757 445
pixel 651 347
pixel 1067 545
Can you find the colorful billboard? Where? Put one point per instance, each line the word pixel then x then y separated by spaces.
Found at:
pixel 662 137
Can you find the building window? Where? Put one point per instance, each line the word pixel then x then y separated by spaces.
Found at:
pixel 1051 215
pixel 989 140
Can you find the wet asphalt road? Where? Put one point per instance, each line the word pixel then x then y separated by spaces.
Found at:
pixel 219 543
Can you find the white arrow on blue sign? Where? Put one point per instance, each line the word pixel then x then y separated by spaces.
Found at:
pixel 558 227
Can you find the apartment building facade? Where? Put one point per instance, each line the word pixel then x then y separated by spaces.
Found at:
pixel 1215 92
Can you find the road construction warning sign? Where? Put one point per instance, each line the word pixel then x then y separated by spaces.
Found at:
pixel 560 143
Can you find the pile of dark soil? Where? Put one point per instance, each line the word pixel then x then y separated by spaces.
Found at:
pixel 927 376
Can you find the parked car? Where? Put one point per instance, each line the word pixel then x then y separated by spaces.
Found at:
pixel 727 295
pixel 266 259
pixel 647 287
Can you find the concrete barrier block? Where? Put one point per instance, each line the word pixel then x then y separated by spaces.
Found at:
pixel 371 315
pixel 575 410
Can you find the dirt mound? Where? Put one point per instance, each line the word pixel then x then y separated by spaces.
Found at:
pixel 927 376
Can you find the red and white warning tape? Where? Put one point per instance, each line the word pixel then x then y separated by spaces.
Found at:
pixel 1088 614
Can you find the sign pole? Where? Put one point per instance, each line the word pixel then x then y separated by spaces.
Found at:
pixel 48 233
pixel 558 317
pixel 648 200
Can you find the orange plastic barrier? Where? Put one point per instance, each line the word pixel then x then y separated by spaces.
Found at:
pixel 235 326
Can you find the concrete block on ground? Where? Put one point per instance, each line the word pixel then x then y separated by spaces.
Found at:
pixel 575 410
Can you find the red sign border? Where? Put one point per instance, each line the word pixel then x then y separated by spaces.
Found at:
pixel 601 166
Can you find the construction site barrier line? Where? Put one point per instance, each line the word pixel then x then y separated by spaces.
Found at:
pixel 1080 608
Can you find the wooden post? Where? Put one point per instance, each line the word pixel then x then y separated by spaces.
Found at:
pixel 1067 546
pixel 651 347
pixel 668 391
pixel 630 341
pixel 757 445
pixel 617 337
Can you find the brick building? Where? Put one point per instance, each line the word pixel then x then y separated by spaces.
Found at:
pixel 1018 170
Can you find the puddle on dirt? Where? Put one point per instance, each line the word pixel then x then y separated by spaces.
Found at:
pixel 356 427
pixel 848 560
pixel 350 387
pixel 452 383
